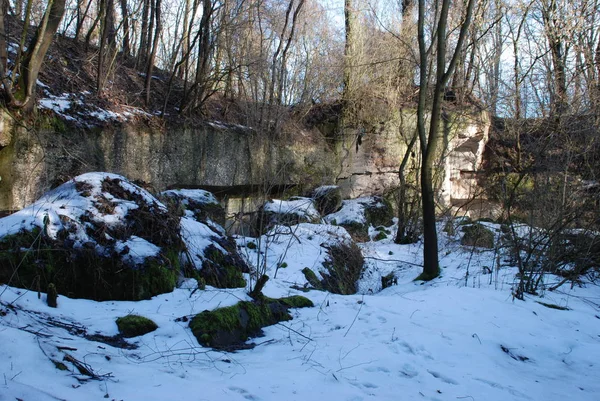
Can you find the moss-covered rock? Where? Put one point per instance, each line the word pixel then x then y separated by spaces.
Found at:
pixel 328 199
pixel 98 237
pixel 343 267
pixel 228 328
pixel 379 212
pixel 290 212
pixel 223 270
pixel 477 235
pixel 312 278
pixel 203 204
pixel 357 215
pixel 340 271
pixel 135 325
pixel 34 261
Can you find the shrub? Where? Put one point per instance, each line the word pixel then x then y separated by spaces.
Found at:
pixel 477 235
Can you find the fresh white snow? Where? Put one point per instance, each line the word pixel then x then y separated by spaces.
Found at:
pixel 460 337
pixel 299 206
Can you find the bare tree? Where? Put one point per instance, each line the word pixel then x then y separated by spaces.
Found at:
pixel 33 57
pixel 429 141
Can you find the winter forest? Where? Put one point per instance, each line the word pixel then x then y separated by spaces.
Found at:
pixel 299 199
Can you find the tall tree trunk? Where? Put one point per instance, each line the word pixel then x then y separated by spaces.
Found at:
pixel 33 58
pixel 125 16
pixel 429 141
pixel 142 54
pixel 157 30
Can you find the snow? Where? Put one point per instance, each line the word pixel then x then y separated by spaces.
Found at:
pixel 459 337
pixel 66 203
pixel 197 195
pixel 299 207
pixel 197 237
pixel 138 249
pixel 84 114
pixel 323 189
pixel 352 211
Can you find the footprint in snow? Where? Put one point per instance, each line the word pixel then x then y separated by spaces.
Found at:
pixel 382 319
pixel 408 371
pixel 443 378
pixel 244 393
pixel 377 369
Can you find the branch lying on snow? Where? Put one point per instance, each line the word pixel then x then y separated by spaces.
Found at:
pixel 83 368
pixel 393 260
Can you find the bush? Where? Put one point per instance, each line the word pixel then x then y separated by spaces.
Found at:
pixel 343 268
pixel 477 235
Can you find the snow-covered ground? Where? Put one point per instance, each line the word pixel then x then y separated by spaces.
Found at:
pixel 459 337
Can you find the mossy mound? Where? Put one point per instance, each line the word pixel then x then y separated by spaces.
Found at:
pixel 212 257
pixel 357 215
pixel 135 325
pixel 33 261
pixel 379 212
pixel 477 235
pixel 341 269
pixel 97 236
pixel 291 212
pixel 223 270
pixel 203 204
pixel 230 327
pixel 328 199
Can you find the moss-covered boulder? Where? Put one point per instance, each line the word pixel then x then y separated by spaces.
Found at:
pixel 327 199
pixel 477 235
pixel 357 215
pixel 340 270
pixel 202 205
pixel 135 325
pixel 287 213
pixel 98 236
pixel 230 327
pixel 211 256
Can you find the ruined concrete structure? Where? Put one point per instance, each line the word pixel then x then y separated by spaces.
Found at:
pixel 236 162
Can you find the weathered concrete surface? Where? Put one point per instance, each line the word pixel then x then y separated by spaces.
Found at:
pixel 371 166
pixel 33 161
pixel 217 157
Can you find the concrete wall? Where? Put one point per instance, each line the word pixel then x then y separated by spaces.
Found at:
pixel 224 157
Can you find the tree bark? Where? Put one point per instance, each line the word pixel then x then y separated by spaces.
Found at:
pixel 429 141
pixel 33 58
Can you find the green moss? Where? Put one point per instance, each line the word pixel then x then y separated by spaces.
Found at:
pixel 231 326
pixel 135 325
pixel 297 301
pixel 380 236
pixel 358 231
pixel 222 270
pixel 312 278
pixel 379 212
pixel 477 235
pixel 427 277
pixel 33 261
pixel 251 245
